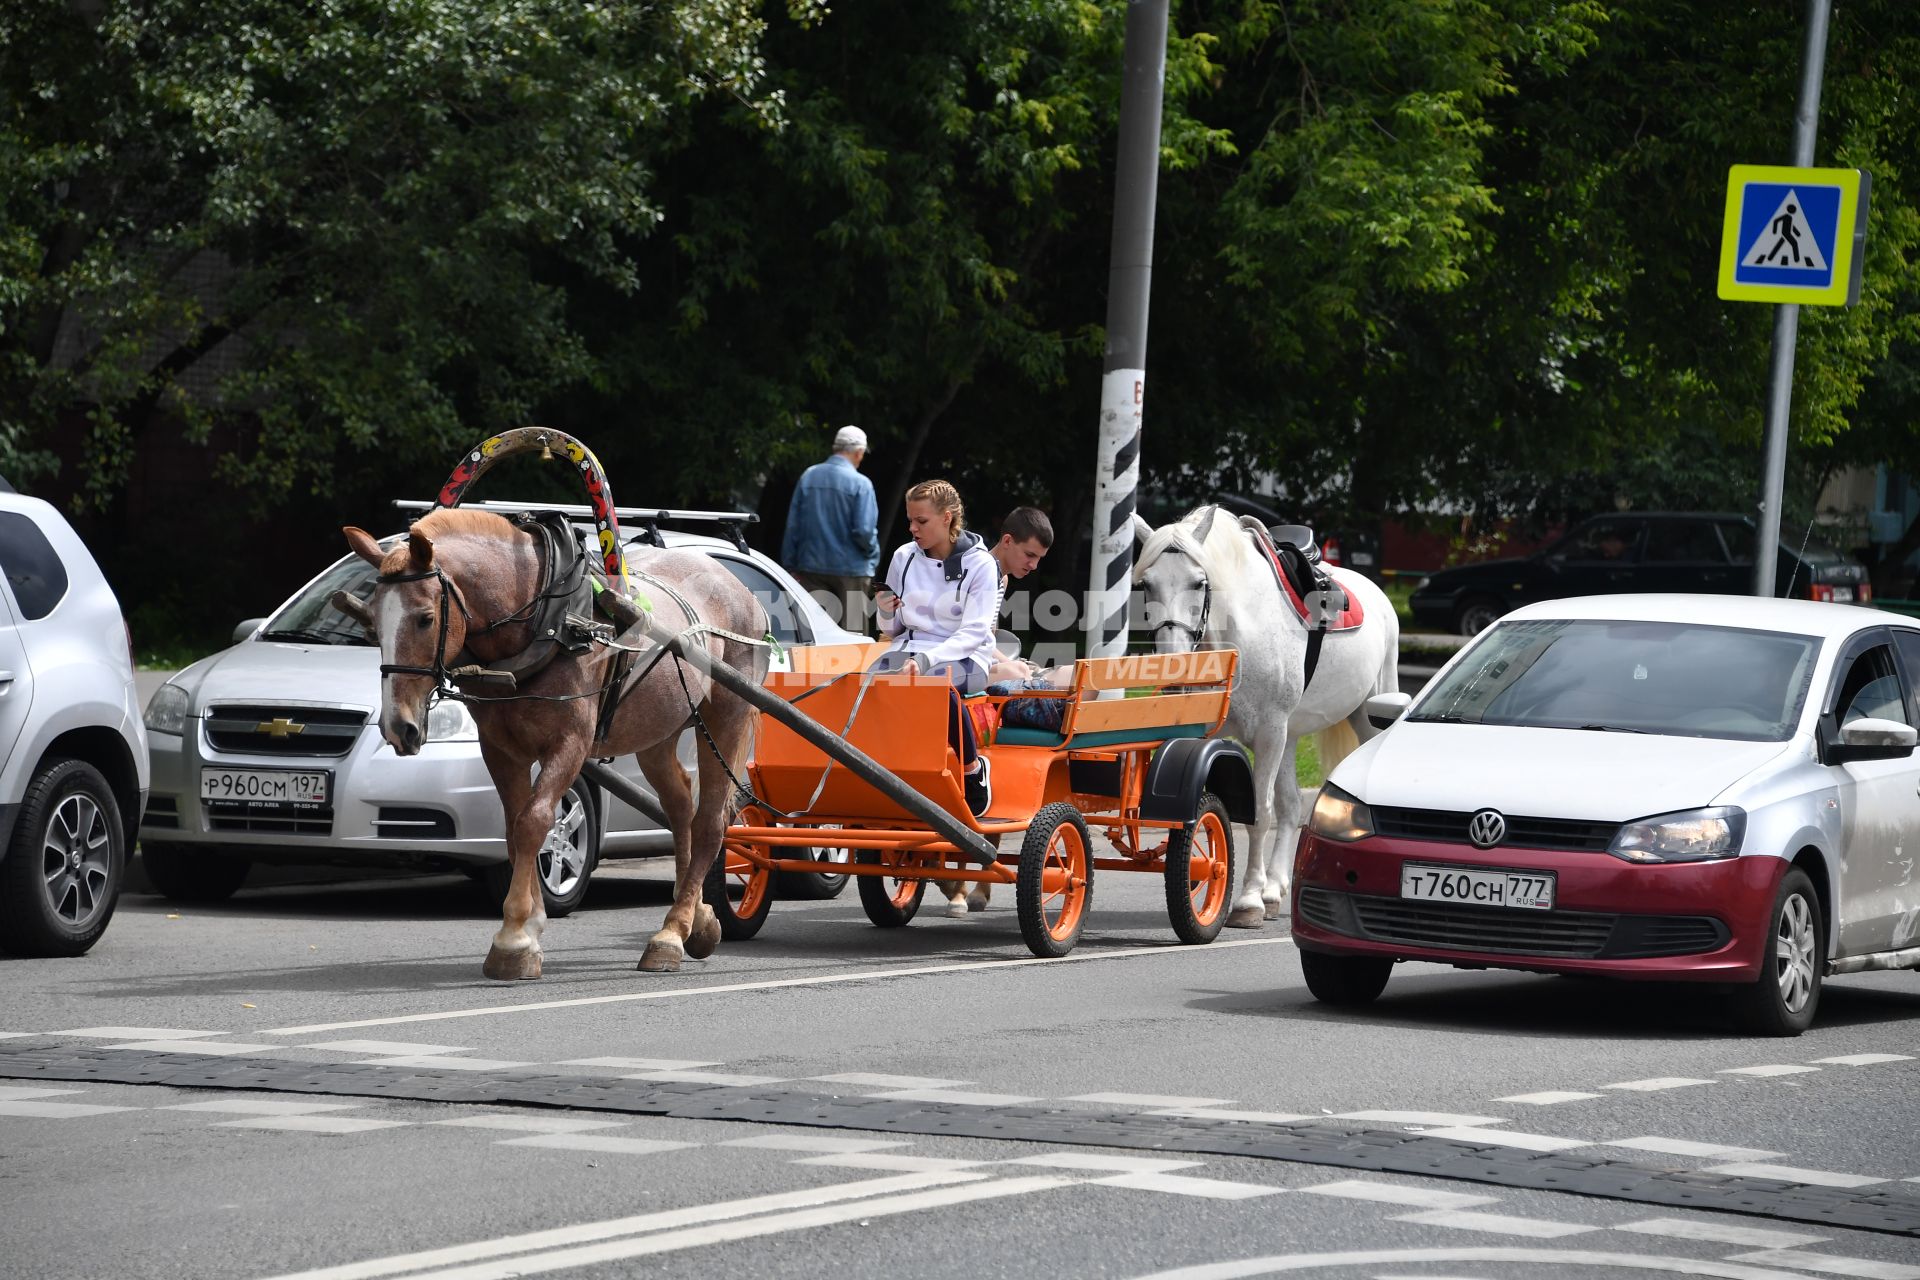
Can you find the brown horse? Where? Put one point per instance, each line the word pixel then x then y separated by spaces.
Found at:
pixel 465 587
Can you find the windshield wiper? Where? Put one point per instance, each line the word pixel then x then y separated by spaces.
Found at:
pixel 312 637
pixel 1440 718
pixel 1609 728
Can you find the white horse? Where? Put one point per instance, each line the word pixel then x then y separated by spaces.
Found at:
pixel 1207 582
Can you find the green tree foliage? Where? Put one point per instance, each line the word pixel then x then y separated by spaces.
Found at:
pixel 342 221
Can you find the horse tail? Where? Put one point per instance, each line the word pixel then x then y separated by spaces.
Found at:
pixel 1335 743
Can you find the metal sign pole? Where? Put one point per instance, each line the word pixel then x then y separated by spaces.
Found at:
pixel 1124 373
pixel 1786 317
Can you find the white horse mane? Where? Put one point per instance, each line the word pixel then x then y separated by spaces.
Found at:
pixel 1225 555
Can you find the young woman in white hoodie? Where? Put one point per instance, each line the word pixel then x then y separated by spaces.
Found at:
pixel 938 604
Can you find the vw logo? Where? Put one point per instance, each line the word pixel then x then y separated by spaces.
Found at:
pixel 1486 829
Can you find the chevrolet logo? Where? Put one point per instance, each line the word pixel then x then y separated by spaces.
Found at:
pixel 280 728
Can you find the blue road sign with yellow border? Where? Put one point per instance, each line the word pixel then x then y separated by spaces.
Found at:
pixel 1793 235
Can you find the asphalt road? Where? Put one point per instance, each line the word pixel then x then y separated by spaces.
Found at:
pixel 823 1010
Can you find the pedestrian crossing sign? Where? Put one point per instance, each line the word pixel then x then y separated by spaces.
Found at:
pixel 1793 235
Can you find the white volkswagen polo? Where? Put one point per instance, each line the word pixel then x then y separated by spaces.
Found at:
pixel 1690 788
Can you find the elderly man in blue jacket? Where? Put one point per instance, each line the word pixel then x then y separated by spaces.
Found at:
pixel 832 541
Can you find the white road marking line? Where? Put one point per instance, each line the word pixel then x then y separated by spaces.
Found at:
pixel 439 1063
pixel 633 1064
pixel 57 1110
pixel 1866 1059
pixel 725 1232
pixel 660 1220
pixel 1221 1113
pixel 1387 1193
pixel 1498 1223
pixel 221 1049
pixel 887 1160
pixel 1775 1069
pixel 1646 1086
pixel 1787 1173
pixel 598 1142
pixel 315 1124
pixel 1149 1100
pixel 261 1107
pixel 1506 1138
pixel 1419 1117
pixel 529 1124
pixel 19 1035
pixel 680 993
pixel 1554 1262
pixel 889 1082
pixel 1832 1264
pixel 10 1093
pixel 1717 1232
pixel 1104 1163
pixel 1181 1185
pixel 958 1097
pixel 1548 1097
pixel 706 1077
pixel 394 1048
pixel 802 1142
pixel 135 1033
pixel 1681 1147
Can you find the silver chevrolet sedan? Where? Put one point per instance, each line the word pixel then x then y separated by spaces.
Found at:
pixel 270 751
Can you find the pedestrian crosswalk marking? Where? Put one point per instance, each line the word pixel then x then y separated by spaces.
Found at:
pixel 1498 1224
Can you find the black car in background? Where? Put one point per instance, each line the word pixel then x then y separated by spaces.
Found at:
pixel 1636 551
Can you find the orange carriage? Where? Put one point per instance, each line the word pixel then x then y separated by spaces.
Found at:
pixel 1135 759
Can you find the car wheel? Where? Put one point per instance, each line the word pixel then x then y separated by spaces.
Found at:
pixel 1476 614
pixel 1345 980
pixel 567 857
pixel 193 873
pixel 814 886
pixel 1783 999
pixel 61 878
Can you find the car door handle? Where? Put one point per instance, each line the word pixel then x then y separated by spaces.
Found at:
pixel 6 681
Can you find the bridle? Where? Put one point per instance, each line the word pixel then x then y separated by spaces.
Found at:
pixel 1197 631
pixel 438 672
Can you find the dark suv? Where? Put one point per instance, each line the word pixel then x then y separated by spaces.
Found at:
pixel 1636 551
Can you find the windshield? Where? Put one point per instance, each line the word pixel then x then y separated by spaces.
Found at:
pixel 310 617
pixel 1671 678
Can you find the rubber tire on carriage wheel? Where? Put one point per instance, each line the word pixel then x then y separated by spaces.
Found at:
pixel 1211 835
pixel 1056 841
pixel 814 886
pixel 888 907
pixel 1784 998
pixel 61 877
pixel 1345 980
pixel 730 873
pixel 193 872
pixel 566 859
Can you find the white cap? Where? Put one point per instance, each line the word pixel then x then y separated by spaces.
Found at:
pixel 847 439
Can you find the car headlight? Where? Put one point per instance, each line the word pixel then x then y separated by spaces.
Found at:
pixel 167 709
pixel 1695 835
pixel 449 722
pixel 1339 816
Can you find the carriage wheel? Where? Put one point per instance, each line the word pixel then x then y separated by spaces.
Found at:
pixel 1056 880
pixel 739 892
pixel 889 903
pixel 1200 864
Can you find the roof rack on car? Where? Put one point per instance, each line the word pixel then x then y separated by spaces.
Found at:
pixel 648 519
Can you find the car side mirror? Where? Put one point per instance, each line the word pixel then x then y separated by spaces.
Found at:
pixel 1872 739
pixel 246 629
pixel 1384 708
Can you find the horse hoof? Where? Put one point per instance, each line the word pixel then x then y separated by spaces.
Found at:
pixel 509 966
pixel 1246 918
pixel 661 957
pixel 976 902
pixel 957 908
pixel 704 938
pixel 1273 910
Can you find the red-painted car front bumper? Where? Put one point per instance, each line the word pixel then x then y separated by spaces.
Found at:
pixel 1689 921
